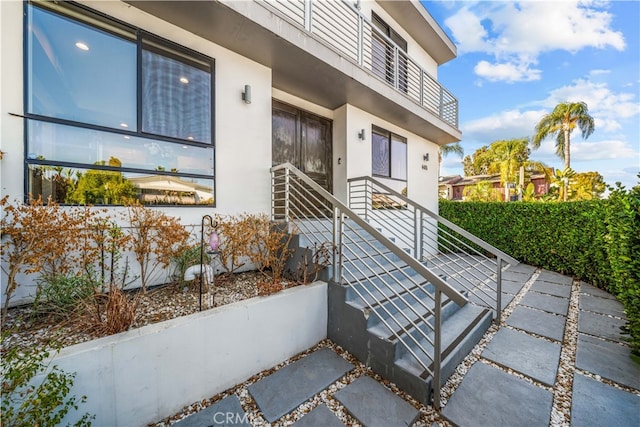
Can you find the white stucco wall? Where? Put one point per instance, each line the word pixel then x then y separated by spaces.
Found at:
pixel 242 181
pixel 144 375
pixel 242 131
pixel 422 184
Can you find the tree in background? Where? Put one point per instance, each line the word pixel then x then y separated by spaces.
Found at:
pixel 505 157
pixel 588 186
pixel 564 118
pixel 483 191
pixel 477 163
pixel 445 150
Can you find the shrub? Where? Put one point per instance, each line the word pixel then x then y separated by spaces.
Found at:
pixel 154 239
pixel 185 258
pixel 61 294
pixel 596 241
pixel 27 401
pixel 268 245
pixel 235 237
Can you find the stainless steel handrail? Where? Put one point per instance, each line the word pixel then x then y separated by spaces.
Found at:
pixel 342 27
pixel 373 266
pixel 434 239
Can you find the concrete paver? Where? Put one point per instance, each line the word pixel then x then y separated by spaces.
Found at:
pixel 284 390
pixel 587 289
pixel 600 325
pixel 320 416
pixel 489 396
pixel 553 277
pixel 374 405
pixel 531 356
pixel 602 306
pixel 551 288
pixel 550 303
pixel 226 412
pixel 598 404
pixel 537 321
pixel 608 359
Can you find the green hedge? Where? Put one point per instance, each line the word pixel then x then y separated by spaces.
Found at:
pixel 595 241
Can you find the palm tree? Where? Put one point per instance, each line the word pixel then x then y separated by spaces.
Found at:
pixel 561 122
pixel 445 150
pixel 510 156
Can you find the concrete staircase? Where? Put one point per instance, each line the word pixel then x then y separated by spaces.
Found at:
pixel 382 313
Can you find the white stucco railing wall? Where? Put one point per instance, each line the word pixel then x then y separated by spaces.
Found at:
pixel 147 374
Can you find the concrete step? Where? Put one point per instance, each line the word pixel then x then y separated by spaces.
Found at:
pixel 373 404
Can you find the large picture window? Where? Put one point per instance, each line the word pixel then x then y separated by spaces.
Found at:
pixel 389 154
pixel 110 106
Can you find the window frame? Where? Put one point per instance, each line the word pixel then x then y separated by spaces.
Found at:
pixel 389 140
pixel 91 18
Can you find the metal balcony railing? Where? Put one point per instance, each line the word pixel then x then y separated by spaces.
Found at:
pixel 469 263
pixel 342 27
pixel 373 266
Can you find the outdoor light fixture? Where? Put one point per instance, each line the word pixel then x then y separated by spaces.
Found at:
pixel 361 135
pixel 246 95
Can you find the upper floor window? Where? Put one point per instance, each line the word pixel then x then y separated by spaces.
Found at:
pixel 110 106
pixel 389 154
pixel 389 54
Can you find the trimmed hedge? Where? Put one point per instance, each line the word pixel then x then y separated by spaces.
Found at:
pixel 595 241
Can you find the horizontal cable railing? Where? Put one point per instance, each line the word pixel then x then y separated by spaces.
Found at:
pixel 342 27
pixel 388 281
pixel 468 263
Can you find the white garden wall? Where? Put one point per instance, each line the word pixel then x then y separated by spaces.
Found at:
pixel 147 374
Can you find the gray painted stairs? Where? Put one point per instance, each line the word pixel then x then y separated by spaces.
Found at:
pixel 363 332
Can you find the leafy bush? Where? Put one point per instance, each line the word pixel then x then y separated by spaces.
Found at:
pixel 28 401
pixel 596 241
pixel 59 295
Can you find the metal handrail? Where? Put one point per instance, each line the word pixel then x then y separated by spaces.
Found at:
pixel 434 239
pixel 342 27
pixel 372 265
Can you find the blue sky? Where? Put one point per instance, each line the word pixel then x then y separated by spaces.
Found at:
pixel 517 60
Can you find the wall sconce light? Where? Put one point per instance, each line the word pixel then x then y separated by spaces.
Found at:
pixel 246 95
pixel 361 135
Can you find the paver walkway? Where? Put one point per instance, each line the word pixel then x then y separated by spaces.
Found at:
pixel 517 376
pixel 558 335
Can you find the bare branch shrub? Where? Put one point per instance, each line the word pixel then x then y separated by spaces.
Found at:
pixel 38 237
pixel 310 266
pixel 155 239
pixel 235 237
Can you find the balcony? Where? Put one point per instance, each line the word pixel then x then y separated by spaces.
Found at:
pixel 329 53
pixel 341 26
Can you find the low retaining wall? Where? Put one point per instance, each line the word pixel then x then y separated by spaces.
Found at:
pixel 146 374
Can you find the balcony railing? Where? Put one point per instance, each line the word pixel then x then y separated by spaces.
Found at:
pixel 341 26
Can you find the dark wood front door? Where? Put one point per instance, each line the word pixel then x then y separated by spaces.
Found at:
pixel 304 140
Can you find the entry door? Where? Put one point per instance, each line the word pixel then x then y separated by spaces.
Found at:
pixel 304 140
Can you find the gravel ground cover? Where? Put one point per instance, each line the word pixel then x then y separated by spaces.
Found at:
pixel 156 305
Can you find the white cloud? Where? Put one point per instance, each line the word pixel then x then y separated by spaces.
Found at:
pixel 516 33
pixel 606 107
pixel 510 72
pixel 504 125
pixel 601 150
